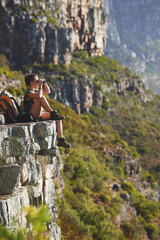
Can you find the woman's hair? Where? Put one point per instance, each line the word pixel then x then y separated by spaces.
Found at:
pixel 29 77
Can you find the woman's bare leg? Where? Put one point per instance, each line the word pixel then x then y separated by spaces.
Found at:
pixel 45 104
pixel 36 110
pixel 59 128
pixel 45 116
pixel 61 140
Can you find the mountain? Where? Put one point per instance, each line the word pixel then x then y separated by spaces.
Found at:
pixel 111 173
pixel 133 34
pixel 33 32
pixel 110 186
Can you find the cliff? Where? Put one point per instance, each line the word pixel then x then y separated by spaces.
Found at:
pixel 29 170
pixel 133 37
pixel 81 94
pixel 107 195
pixel 88 82
pixel 48 31
pixel 103 178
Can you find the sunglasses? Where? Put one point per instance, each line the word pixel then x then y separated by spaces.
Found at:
pixel 36 81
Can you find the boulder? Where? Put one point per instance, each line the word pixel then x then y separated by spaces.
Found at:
pixel 9 179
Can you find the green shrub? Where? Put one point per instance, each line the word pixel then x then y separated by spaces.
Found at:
pixel 127 186
pixel 81 188
pixel 1 71
pixel 121 236
pixel 112 77
pixel 7 234
pixel 99 221
pixel 12 91
pixel 127 72
pixel 98 86
pixel 72 225
pixel 98 184
pixel 128 230
pixel 146 176
pixel 144 150
pixel 114 207
pixel 149 210
pixel 19 92
pixel 104 197
pixel 135 76
pixel 80 54
pixel 34 20
pixel 47 67
pixel 37 220
pixel 52 20
pixel 106 103
pixel 15 91
pixel 120 172
pixel 152 231
pixel 151 180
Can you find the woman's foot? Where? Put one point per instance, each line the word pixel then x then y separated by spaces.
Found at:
pixel 62 143
pixel 56 116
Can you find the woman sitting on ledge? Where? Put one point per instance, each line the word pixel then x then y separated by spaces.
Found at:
pixel 34 101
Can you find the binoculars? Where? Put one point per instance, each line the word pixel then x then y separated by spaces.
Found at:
pixel 43 81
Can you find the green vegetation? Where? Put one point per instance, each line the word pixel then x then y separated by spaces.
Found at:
pixel 133 126
pixel 15 91
pixel 128 230
pixel 40 9
pixel 87 172
pixel 5 69
pixel 130 130
pixel 37 220
pixel 127 186
pixel 10 74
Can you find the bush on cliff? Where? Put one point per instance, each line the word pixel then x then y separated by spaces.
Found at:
pixel 37 220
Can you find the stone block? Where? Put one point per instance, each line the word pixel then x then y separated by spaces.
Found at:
pixel 9 179
pixel 16 146
pixel 25 139
pixel 19 131
pixel 49 191
pixel 11 207
pixel 2 119
pixel 30 170
pixel 46 142
pixel 43 129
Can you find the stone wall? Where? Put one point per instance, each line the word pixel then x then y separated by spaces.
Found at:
pixel 29 167
pixel 48 31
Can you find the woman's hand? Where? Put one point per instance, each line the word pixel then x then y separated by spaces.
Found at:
pixel 40 83
pixel 44 80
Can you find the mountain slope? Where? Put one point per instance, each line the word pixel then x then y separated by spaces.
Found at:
pixel 133 37
pixel 110 143
pixel 107 194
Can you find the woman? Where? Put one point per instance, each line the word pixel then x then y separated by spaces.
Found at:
pixel 34 101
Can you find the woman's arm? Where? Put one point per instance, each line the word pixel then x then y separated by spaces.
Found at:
pixel 46 90
pixel 40 91
pixel 38 94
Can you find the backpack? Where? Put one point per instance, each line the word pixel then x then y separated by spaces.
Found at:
pixel 13 112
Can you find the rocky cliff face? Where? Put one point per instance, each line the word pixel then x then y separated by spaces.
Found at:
pixel 48 31
pixel 6 83
pixel 28 171
pixel 133 37
pixel 81 94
